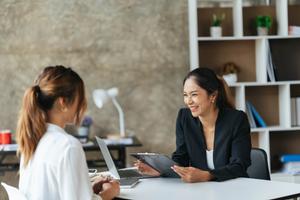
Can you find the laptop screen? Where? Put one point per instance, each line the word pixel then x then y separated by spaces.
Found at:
pixel 107 157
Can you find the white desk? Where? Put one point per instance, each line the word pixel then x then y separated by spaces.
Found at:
pixel 241 188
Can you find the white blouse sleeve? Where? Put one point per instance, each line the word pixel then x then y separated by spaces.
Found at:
pixel 96 197
pixel 73 180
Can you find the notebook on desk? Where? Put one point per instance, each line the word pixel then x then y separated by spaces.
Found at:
pixel 128 177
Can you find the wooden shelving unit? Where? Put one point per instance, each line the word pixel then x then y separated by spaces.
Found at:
pixel 241 45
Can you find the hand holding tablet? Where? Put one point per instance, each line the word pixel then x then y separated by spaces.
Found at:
pixel 159 162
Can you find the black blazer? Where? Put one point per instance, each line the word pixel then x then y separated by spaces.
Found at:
pixel 232 143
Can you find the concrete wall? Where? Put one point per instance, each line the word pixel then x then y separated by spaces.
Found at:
pixel 139 46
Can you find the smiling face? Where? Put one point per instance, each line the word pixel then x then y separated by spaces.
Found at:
pixel 197 99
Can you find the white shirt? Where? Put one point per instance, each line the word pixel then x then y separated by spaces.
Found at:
pixel 57 170
pixel 210 159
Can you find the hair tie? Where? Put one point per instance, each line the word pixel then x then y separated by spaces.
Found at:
pixel 37 89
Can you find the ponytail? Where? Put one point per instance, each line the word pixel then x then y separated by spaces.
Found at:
pixel 52 83
pixel 31 125
pixel 225 99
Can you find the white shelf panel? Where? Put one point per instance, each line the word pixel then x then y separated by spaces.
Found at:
pixel 275 128
pixel 239 84
pixel 224 38
pixel 294 82
pixel 228 38
pixel 283 37
pixel 293 128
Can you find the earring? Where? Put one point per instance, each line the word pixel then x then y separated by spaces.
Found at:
pixel 64 109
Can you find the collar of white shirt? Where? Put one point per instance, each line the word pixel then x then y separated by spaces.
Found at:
pixel 54 127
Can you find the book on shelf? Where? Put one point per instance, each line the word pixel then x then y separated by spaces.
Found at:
pixel 258 120
pixel 294 111
pixel 294 30
pixel 298 111
pixel 250 115
pixel 290 158
pixel 271 68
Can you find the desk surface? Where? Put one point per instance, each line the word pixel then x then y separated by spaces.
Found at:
pixel 241 188
pixel 90 146
pixel 116 145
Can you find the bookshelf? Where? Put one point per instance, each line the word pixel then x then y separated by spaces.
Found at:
pixel 240 44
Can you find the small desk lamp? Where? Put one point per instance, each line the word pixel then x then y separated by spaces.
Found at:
pixel 101 97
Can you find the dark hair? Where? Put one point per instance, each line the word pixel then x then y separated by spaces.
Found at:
pixel 52 83
pixel 209 81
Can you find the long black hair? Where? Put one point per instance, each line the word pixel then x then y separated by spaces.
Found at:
pixel 209 81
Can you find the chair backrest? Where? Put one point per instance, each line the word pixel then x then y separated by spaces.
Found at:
pixel 259 165
pixel 13 193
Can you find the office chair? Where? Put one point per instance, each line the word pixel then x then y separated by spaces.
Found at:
pixel 259 165
pixel 12 192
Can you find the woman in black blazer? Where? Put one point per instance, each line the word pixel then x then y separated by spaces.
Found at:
pixel 212 138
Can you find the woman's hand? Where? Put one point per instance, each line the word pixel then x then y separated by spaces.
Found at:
pixel 192 174
pixel 146 169
pixel 98 182
pixel 110 190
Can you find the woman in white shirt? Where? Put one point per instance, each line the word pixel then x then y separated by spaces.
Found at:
pixel 53 164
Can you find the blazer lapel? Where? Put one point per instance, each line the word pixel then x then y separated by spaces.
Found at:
pixel 200 150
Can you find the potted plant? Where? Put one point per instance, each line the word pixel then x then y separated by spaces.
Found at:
pixel 85 125
pixel 229 72
pixel 216 29
pixel 263 24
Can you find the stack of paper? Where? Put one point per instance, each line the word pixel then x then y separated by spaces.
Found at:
pixel 125 141
pixel 294 30
pixel 291 163
pixel 8 147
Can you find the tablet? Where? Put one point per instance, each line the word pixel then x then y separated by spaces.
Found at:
pixel 159 162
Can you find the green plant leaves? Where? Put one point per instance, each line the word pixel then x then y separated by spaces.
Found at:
pixel 263 21
pixel 217 20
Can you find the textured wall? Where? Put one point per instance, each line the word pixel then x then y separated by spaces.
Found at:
pixel 140 46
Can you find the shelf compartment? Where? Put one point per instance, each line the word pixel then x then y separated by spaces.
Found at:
pixel 294 15
pixel 205 16
pixel 278 146
pixel 285 56
pixel 214 54
pixel 249 15
pixel 266 102
pixel 295 90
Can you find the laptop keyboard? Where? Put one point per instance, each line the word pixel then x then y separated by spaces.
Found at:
pixel 128 181
pixel 129 173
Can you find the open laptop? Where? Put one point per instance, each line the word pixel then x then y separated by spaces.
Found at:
pixel 128 177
